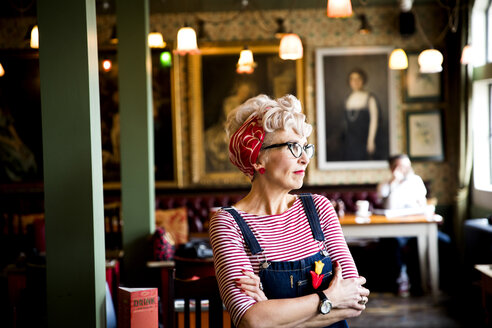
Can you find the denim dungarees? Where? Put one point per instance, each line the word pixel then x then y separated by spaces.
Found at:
pixel 288 279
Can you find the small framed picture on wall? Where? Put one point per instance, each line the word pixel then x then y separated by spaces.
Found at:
pixel 421 87
pixel 424 135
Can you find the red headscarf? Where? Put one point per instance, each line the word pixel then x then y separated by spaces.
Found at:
pixel 245 145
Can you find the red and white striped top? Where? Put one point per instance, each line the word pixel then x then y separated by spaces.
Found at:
pixel 283 237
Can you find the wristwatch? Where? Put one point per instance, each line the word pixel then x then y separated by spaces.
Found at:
pixel 324 303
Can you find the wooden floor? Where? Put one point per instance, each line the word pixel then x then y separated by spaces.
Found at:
pixel 389 310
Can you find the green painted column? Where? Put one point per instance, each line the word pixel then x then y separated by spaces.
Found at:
pixel 72 163
pixel 137 137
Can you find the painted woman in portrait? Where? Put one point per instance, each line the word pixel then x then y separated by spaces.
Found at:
pixel 361 119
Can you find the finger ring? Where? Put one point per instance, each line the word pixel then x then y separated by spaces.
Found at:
pixel 363 301
pixel 261 286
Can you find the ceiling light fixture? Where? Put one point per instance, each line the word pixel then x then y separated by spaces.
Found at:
pixel 398 59
pixel 187 41
pixel 467 55
pixel 291 47
pixel 430 61
pixel 35 37
pixel 246 63
pixel 156 40
pixel 364 24
pixel 339 8
pixel 113 39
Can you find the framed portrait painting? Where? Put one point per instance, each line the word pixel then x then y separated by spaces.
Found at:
pixel 424 135
pixel 421 87
pixel 354 101
pixel 217 89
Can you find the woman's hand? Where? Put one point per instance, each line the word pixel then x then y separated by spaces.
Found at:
pixel 251 286
pixel 347 293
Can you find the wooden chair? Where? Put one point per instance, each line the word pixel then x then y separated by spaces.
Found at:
pixel 196 289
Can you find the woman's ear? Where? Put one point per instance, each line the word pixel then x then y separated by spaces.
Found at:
pixel 258 165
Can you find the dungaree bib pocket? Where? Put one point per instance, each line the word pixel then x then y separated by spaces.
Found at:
pixel 293 278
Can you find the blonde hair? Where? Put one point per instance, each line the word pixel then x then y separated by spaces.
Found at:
pixel 280 114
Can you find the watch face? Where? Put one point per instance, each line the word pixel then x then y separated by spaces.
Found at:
pixel 325 307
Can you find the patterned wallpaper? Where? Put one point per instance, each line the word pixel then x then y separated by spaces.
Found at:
pixel 316 30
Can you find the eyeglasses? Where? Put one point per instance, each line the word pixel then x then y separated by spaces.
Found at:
pixel 295 148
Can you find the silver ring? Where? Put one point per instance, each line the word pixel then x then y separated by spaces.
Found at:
pixel 363 301
pixel 261 286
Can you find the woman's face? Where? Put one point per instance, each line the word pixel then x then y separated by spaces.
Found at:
pixel 356 81
pixel 282 169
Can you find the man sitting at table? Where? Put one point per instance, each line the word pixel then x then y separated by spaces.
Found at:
pixel 405 189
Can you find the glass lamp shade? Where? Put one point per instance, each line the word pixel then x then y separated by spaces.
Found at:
pixel 291 47
pixel 187 41
pixel 156 40
pixel 165 58
pixel 467 55
pixel 107 65
pixel 398 59
pixel 246 63
pixel 35 37
pixel 2 71
pixel 430 61
pixel 339 8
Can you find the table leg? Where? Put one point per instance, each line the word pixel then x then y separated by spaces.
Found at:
pixel 433 259
pixel 422 248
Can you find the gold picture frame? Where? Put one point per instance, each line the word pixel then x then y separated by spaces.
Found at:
pixel 216 88
pixel 168 159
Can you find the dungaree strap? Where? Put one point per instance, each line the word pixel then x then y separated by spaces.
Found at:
pixel 312 214
pixel 249 237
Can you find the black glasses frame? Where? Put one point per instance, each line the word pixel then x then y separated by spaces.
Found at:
pixel 290 145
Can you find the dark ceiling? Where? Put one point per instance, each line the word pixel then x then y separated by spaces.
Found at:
pixel 18 8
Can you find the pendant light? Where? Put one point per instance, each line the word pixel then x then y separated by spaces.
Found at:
pixel 364 28
pixel 291 47
pixel 113 39
pixel 35 37
pixel 156 40
pixel 165 58
pixel 246 63
pixel 430 61
pixel 398 59
pixel 2 71
pixel 107 65
pixel 187 41
pixel 339 8
pixel 467 55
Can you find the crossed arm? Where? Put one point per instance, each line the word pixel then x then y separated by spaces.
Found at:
pixel 345 294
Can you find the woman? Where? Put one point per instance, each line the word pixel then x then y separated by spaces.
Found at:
pixel 273 251
pixel 361 118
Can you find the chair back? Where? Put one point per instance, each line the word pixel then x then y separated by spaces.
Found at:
pixel 193 292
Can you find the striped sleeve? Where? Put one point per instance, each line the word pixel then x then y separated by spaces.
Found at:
pixel 229 259
pixel 334 239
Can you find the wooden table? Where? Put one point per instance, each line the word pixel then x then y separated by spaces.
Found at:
pixel 420 226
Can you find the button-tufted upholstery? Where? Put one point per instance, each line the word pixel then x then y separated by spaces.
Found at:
pixel 199 202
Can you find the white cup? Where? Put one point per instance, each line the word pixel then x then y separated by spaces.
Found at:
pixel 362 207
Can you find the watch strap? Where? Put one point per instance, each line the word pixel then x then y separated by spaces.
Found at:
pixel 322 296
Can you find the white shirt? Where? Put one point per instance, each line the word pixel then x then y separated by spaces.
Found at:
pixel 408 193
